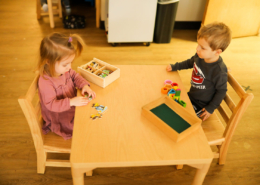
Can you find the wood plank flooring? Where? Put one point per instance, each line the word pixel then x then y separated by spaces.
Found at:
pixel 21 34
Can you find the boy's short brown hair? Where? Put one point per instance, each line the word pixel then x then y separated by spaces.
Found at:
pixel 217 34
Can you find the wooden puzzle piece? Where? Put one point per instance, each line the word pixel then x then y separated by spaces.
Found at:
pixel 99 108
pixel 89 98
pixel 95 116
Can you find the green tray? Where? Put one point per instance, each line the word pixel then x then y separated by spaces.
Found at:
pixel 172 119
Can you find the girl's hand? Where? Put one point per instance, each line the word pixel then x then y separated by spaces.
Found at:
pixel 169 68
pixel 205 113
pixel 87 89
pixel 79 101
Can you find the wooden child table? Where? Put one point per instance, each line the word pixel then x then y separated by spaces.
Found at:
pixel 125 138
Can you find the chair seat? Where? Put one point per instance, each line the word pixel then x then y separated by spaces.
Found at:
pixel 213 128
pixel 53 142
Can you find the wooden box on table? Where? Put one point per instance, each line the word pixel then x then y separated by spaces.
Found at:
pixel 92 73
pixel 171 118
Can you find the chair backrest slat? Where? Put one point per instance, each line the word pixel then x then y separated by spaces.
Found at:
pixel 31 114
pixel 32 89
pixel 236 86
pixel 38 109
pixel 223 113
pixel 230 102
pixel 238 113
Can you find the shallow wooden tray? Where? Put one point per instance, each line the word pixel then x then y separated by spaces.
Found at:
pixel 170 117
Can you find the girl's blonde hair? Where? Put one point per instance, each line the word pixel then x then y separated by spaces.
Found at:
pixel 54 48
pixel 217 34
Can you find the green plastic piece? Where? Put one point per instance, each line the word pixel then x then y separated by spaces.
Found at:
pixel 178 93
pixel 182 103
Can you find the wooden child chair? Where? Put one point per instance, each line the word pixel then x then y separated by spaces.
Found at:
pixel 215 131
pixel 53 9
pixel 50 143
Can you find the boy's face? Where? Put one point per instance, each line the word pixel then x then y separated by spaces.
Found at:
pixel 64 65
pixel 205 52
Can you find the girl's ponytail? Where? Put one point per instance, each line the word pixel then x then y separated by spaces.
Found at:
pixel 80 44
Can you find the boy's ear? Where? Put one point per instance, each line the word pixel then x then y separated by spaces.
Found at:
pixel 218 51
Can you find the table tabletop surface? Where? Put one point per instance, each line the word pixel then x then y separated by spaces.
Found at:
pixel 123 137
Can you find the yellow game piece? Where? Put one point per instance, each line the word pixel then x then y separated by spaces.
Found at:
pixel 175 87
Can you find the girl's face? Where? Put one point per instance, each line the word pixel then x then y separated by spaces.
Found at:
pixel 64 65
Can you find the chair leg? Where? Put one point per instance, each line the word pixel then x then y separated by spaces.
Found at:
pixel 179 167
pixel 60 8
pixel 222 156
pixel 38 9
pixel 50 13
pixel 41 160
pixel 223 152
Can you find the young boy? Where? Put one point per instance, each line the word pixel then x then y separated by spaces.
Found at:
pixel 209 75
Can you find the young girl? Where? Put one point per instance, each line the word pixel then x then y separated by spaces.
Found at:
pixel 57 83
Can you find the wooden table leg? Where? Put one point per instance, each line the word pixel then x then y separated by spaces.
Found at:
pixel 89 173
pixel 77 176
pixel 201 174
pixel 179 166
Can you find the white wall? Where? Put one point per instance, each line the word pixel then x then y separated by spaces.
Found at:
pixel 190 10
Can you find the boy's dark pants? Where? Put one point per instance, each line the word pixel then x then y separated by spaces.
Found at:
pixel 197 108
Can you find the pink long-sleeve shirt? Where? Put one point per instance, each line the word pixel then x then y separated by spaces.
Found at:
pixel 55 94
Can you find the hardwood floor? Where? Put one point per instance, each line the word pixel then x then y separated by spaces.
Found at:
pixel 21 34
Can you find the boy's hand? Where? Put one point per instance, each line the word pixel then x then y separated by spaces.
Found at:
pixel 87 89
pixel 169 68
pixel 205 113
pixel 78 101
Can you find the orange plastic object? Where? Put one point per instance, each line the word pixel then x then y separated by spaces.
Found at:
pixel 168 86
pixel 164 90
